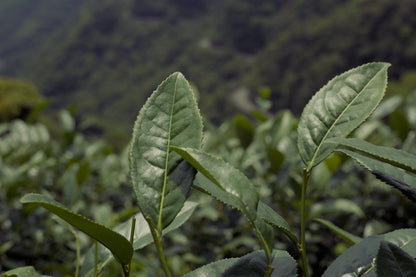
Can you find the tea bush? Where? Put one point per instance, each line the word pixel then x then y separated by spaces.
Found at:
pixel 269 198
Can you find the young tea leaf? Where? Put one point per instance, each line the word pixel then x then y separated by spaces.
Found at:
pixel 169 117
pixel 338 108
pixel 116 243
pixel 393 261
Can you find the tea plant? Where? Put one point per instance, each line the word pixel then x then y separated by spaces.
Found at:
pixel 167 159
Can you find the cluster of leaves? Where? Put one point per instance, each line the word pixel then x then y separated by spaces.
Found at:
pixel 19 99
pixel 66 166
pixel 170 158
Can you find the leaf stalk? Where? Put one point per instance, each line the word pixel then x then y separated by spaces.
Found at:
pixel 304 259
pixel 157 239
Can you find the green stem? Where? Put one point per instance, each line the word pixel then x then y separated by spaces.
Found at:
pixel 267 250
pixel 96 259
pixel 126 268
pixel 78 252
pixel 157 239
pixel 305 265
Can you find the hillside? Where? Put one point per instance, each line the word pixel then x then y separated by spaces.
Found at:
pixel 107 56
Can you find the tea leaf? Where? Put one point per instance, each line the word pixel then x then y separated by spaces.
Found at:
pixel 387 173
pixel 169 117
pixel 116 243
pixel 24 271
pixel 335 206
pixel 395 157
pixel 212 269
pixel 338 108
pixel 393 261
pixel 348 238
pixel 359 259
pixel 403 187
pixel 223 181
pixel 142 237
pixel 269 215
pixel 253 265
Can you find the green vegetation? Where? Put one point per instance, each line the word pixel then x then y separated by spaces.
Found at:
pixel 105 56
pixel 18 99
pixel 268 193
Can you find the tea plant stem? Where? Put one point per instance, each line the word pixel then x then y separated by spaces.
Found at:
pixel 266 250
pixel 96 259
pixel 78 252
pixel 127 268
pixel 157 239
pixel 306 175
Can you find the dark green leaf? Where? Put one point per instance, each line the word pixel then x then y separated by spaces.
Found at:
pixel 244 130
pixel 116 243
pixel 393 261
pixel 387 173
pixel 359 259
pixel 251 265
pixel 269 215
pixel 338 108
pixel 169 117
pixel 403 187
pixel 395 157
pixel 227 184
pixel 254 265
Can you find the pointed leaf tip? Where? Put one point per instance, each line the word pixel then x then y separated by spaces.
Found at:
pixel 169 117
pixel 338 108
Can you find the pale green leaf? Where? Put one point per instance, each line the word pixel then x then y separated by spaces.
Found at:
pixel 335 206
pixel 395 157
pixel 25 271
pixel 360 258
pixel 347 237
pixel 169 117
pixel 338 108
pixel 116 243
pixel 393 261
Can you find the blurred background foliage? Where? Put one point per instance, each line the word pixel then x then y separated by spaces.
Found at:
pixel 255 64
pixel 106 56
